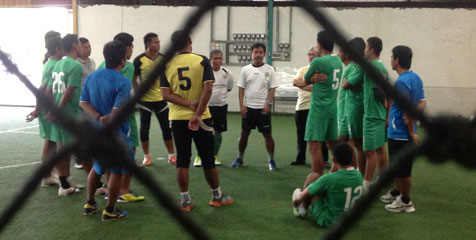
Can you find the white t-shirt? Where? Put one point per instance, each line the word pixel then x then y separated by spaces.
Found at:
pixel 88 68
pixel 304 97
pixel 222 85
pixel 257 81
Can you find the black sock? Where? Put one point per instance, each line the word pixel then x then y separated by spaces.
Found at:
pixel 92 202
pixel 394 192
pixel 64 182
pixel 405 200
pixel 99 184
pixel 110 209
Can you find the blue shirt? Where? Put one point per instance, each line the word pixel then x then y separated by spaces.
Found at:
pixel 106 89
pixel 410 85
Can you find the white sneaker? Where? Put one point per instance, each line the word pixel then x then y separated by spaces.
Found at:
pixel 388 198
pixel 65 192
pixel 399 206
pixel 197 162
pixel 101 190
pixel 49 181
pixel 74 183
pixel 78 166
pixel 299 211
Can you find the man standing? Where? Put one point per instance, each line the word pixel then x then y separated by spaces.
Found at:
pixel 321 124
pixel 218 103
pixel 152 101
pixel 375 114
pixel 257 85
pixel 327 196
pixel 66 91
pixel 302 111
pixel 104 93
pixel 187 84
pixel 402 128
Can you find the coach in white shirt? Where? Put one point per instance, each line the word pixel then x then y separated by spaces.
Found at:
pixel 257 85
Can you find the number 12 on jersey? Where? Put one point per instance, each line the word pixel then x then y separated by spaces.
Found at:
pixel 349 200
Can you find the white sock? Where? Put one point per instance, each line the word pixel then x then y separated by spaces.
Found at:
pixel 216 193
pixel 186 197
pixel 366 185
pixel 171 155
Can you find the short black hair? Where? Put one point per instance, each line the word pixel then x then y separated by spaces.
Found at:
pixel 326 40
pixel 83 40
pixel 179 43
pixel 125 38
pixel 258 45
pixel 358 45
pixel 51 34
pixel 68 41
pixel 376 44
pixel 114 52
pixel 343 153
pixel 215 51
pixel 52 44
pixel 404 55
pixel 148 38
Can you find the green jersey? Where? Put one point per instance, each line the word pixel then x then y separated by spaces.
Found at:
pixel 373 107
pixel 354 102
pixel 324 94
pixel 47 71
pixel 67 73
pixel 338 191
pixel 127 71
pixel 341 96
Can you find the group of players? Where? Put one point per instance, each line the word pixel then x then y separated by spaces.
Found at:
pixel 339 101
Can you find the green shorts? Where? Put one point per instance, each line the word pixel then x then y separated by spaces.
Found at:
pixel 321 129
pixel 374 133
pixel 60 135
pixel 342 126
pixel 45 126
pixel 134 132
pixel 355 124
pixel 320 211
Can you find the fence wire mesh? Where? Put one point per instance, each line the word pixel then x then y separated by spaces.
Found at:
pixel 447 137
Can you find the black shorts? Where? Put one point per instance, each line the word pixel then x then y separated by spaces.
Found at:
pixel 255 118
pixel 161 110
pixel 219 117
pixel 203 139
pixel 394 146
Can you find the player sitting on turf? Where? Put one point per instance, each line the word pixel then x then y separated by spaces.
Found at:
pixel 327 196
pixel 104 92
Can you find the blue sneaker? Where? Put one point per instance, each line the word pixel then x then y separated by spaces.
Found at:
pixel 272 165
pixel 237 162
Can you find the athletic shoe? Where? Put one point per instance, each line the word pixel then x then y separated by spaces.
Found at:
pixel 106 196
pixel 74 183
pixel 186 206
pixel 399 206
pixel 101 190
pixel 272 165
pixel 65 192
pixel 130 197
pixel 388 198
pixel 173 160
pixel 296 163
pixel 49 181
pixel 237 162
pixel 78 166
pixel 299 211
pixel 197 162
pixel 90 209
pixel 147 160
pixel 114 215
pixel 217 161
pixel 221 201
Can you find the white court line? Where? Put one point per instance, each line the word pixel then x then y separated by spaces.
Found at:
pixel 24 132
pixel 17 129
pixel 19 165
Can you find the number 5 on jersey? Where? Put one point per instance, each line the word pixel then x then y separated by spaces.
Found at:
pixel 188 83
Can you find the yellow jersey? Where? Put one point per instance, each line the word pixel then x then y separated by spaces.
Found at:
pixel 185 75
pixel 143 66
